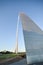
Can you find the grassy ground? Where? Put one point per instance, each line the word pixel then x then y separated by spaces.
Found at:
pixel 5 56
pixel 6 59
pixel 12 55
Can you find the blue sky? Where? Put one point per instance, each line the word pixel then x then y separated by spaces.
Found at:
pixel 9 11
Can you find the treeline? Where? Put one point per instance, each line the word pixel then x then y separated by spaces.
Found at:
pixel 7 52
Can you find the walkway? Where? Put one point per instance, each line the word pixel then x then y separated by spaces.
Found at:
pixel 21 62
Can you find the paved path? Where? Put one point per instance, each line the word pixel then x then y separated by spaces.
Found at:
pixel 21 62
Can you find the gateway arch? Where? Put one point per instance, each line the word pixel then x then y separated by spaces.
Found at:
pixel 33 38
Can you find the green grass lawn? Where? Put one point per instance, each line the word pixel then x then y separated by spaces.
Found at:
pixel 6 56
pixel 12 55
